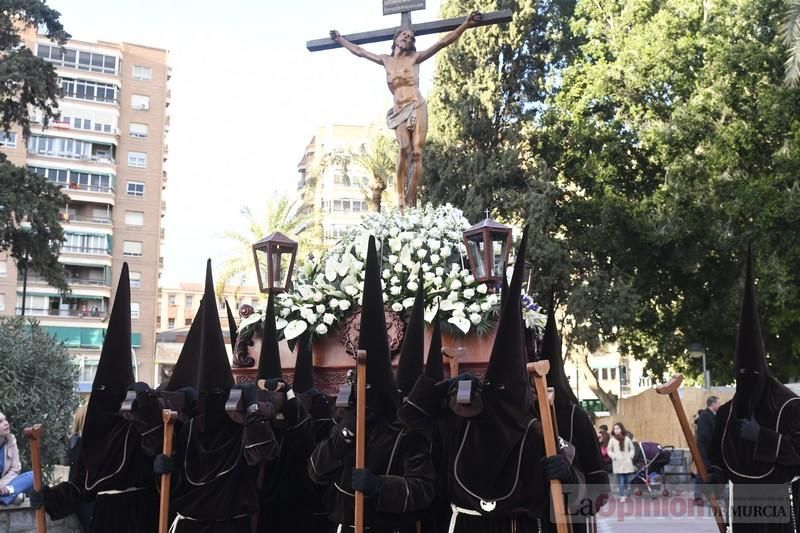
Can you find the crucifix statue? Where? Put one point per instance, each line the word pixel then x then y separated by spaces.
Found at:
pixel 408 117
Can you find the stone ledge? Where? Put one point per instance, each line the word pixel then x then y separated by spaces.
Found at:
pixel 22 519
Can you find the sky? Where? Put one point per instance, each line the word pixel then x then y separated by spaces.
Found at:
pixel 246 98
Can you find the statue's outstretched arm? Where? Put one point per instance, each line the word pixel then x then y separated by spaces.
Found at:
pixel 354 48
pixel 470 22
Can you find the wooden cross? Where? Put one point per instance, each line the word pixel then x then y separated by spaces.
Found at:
pixel 405 7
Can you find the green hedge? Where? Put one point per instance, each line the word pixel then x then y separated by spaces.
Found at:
pixel 37 385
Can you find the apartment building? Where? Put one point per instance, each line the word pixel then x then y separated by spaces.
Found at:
pixel 332 184
pixel 108 152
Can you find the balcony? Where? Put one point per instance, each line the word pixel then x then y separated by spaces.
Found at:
pixel 89 314
pixel 83 250
pixel 81 219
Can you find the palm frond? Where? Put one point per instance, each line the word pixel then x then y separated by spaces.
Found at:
pixel 790 35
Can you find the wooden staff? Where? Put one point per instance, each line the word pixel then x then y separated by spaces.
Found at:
pixel 34 434
pixel 453 361
pixel 539 371
pixel 168 417
pixel 361 432
pixel 671 388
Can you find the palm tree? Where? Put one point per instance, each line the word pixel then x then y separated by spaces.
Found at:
pixel 377 157
pixel 282 215
pixel 790 34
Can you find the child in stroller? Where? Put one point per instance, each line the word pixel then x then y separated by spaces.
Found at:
pixel 650 459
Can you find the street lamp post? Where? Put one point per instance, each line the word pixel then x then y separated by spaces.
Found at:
pixel 697 350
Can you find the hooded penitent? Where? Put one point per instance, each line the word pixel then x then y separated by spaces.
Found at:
pixel 232 329
pixel 304 365
pixel 551 351
pixel 410 364
pixel 505 420
pixel 381 389
pixel 269 362
pixel 111 382
pixel 203 362
pixel 752 372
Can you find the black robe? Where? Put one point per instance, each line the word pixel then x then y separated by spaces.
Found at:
pixel 401 458
pixel 214 490
pixel 285 499
pixel 122 485
pixel 575 427
pixel 761 471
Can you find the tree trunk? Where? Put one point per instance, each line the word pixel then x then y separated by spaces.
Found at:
pixel 24 283
pixel 375 196
pixel 581 359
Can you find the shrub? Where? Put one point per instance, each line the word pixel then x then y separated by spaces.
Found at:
pixel 37 385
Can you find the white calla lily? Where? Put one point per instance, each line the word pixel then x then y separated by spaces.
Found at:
pixel 294 329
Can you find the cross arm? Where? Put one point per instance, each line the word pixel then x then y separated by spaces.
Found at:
pixel 425 28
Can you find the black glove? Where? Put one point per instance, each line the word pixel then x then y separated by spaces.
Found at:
pixel 557 467
pixel 366 482
pixel 36 499
pixel 163 464
pixel 750 429
pixel 249 392
pixel 349 420
pixel 274 384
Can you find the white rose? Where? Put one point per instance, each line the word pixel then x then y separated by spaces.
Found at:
pixel 439 271
pixel 446 251
pixel 455 285
pixel 317 296
pixel 446 305
pixel 455 267
pixel 492 299
pixel 473 308
pixel 485 306
pixel 459 313
pixel 351 290
pixel 333 303
pixel 426 267
pixel 385 297
pixel 395 280
pixel 320 308
pixel 481 288
pixel 397 307
pixel 453 296
pixel 398 267
pixel 322 329
pixel 417 243
pixel 386 273
pixel 408 302
pixel 422 252
pixel 435 258
pixel 475 318
pixel 392 259
pixel 285 312
pixel 394 231
pixel 438 281
pixel 434 244
pixel 328 318
pixel 427 276
pixel 469 293
pixel 344 305
pixel 412 285
pixel 469 279
pixel 395 290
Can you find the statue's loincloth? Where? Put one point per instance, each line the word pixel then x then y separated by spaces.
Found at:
pixel 407 114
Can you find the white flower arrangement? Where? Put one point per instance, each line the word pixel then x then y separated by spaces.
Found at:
pixel 427 239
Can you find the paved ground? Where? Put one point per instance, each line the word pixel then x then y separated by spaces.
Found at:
pixel 655 515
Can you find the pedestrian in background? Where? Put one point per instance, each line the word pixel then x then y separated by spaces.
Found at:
pixel 13 484
pixel 620 450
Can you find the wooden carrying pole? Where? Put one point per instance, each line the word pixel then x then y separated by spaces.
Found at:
pixel 168 417
pixel 539 371
pixel 671 388
pixel 361 432
pixel 34 434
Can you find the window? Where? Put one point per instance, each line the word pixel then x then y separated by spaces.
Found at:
pixel 2 302
pixel 136 279
pixel 72 58
pixel 76 180
pixel 604 373
pixel 134 218
pixel 170 323
pixel 88 90
pixel 141 73
pixel 171 299
pixel 137 130
pixel 135 188
pixel 8 140
pixel 3 268
pixel 88 370
pixel 187 322
pixel 137 159
pixel 613 373
pixel 132 248
pixel 76 243
pixel 134 309
pixel 140 102
pixel 188 301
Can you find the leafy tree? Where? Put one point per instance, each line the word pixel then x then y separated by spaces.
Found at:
pixel 37 386
pixel 282 215
pixel 28 82
pixel 662 143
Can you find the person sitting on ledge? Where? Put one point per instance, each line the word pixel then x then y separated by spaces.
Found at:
pixel 13 485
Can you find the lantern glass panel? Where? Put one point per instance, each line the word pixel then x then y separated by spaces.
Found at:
pixel 282 263
pixel 498 254
pixel 475 254
pixel 263 269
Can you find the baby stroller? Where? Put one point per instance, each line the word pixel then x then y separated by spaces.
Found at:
pixel 650 458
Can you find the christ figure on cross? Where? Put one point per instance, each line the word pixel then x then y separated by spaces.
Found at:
pixel 409 115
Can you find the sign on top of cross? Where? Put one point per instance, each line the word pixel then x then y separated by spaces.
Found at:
pixel 405 7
